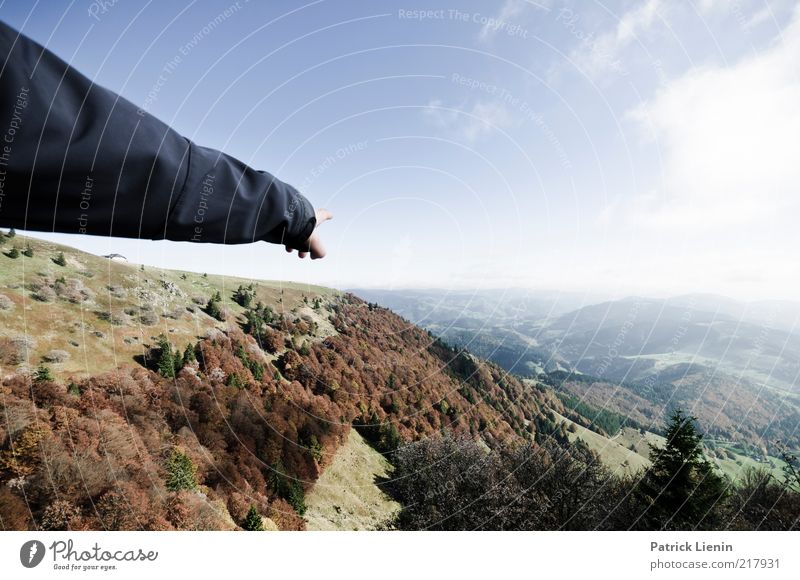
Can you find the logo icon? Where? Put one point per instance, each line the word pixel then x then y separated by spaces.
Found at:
pixel 31 553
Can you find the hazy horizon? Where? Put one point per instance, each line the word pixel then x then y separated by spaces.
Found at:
pixel 94 245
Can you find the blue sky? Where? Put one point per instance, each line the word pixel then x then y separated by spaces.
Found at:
pixel 620 147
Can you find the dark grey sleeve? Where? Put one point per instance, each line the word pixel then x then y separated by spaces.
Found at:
pixel 78 158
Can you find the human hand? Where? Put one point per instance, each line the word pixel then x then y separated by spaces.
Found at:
pixel 315 247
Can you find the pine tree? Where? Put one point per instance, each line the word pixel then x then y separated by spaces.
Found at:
pixel 60 260
pixel 166 358
pixel 42 374
pixel 682 486
pixel 253 521
pixel 188 355
pixel 213 306
pixel 181 472
pixel 11 233
pixel 243 296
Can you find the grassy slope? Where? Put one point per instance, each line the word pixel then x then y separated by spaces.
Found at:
pixel 95 345
pixel 346 497
pixel 616 456
pixel 628 451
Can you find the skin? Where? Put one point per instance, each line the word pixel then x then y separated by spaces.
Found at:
pixel 315 247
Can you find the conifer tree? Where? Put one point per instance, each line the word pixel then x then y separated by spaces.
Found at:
pixel 166 359
pixel 42 374
pixel 188 354
pixel 253 521
pixel 181 472
pixel 682 487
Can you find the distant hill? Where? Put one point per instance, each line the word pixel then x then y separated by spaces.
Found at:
pixel 735 365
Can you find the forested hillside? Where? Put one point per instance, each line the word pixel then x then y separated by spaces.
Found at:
pixel 190 430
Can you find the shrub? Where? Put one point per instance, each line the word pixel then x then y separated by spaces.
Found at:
pixel 28 251
pixel 72 290
pixel 115 318
pixel 6 303
pixel 44 294
pixel 13 253
pixel 60 260
pixel 149 318
pixel 56 356
pixel 42 374
pixel 117 291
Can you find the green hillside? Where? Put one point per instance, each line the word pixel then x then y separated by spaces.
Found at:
pixel 94 314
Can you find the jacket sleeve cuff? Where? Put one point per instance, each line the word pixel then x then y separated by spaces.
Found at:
pixel 301 222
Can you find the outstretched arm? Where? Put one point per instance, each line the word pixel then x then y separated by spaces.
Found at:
pixel 78 158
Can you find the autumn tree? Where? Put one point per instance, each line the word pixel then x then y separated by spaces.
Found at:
pixel 25 452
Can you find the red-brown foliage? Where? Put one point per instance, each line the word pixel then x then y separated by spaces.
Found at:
pixel 98 460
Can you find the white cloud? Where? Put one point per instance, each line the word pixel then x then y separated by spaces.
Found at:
pixel 597 55
pixel 483 118
pixel 510 10
pixel 728 136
